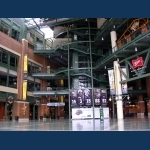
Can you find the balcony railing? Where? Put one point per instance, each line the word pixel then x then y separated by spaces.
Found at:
pixel 48 88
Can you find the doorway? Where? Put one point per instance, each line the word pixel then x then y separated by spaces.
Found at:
pixel 33 111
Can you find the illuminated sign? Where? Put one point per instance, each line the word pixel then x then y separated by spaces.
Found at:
pixel 24 89
pixel 137 62
pixel 25 65
pixel 25 72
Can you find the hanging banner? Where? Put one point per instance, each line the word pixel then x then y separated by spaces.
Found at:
pixel 80 97
pixel 97 94
pixel 25 75
pixel 25 67
pixel 73 97
pixel 24 95
pixel 124 85
pixel 103 98
pixel 111 81
pixel 87 97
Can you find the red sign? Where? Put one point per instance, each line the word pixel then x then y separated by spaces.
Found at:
pixel 137 62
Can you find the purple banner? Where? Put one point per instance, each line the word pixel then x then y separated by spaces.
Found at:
pixel 80 97
pixel 73 97
pixel 88 97
pixel 97 95
pixel 103 98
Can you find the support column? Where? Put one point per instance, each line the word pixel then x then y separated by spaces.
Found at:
pixel 117 77
pixel 148 94
pixel 118 90
pixel 20 69
pixel 75 81
pixel 141 103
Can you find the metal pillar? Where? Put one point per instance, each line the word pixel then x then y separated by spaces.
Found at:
pixel 33 111
pixel 69 75
pixel 91 67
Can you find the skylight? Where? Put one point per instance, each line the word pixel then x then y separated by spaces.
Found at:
pixel 36 22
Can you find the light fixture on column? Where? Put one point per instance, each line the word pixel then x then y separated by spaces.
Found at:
pixel 49 56
pixel 116 98
pixel 114 26
pixel 105 67
pixel 102 39
pixel 86 19
pixel 109 99
pixel 128 97
pixel 117 59
pixel 136 49
pixel 61 56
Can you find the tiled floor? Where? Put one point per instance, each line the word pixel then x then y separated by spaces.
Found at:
pixel 127 124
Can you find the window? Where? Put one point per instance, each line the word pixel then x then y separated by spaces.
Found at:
pixel 4 28
pixel 3 80
pixel 34 68
pixel 12 61
pixel 5 57
pixel 29 67
pixel 15 34
pixel 12 82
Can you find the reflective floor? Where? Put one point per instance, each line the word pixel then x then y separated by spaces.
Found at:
pixel 127 124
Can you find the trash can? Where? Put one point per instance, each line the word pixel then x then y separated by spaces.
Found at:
pixel 16 118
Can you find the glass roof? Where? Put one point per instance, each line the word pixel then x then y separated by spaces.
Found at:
pixel 33 21
pixel 36 22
